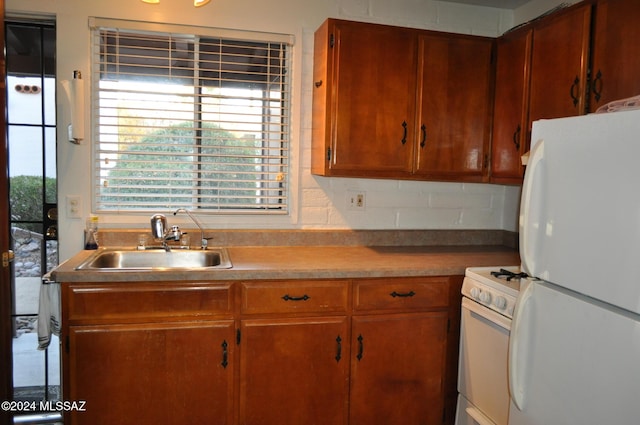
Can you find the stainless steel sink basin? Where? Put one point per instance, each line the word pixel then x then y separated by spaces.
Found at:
pixel 121 259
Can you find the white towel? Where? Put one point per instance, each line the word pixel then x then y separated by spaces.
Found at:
pixel 48 313
pixel 621 105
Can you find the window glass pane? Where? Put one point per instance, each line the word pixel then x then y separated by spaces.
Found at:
pixel 25 96
pixel 28 381
pixel 25 173
pixel 49 96
pixel 25 146
pixel 49 40
pixel 51 189
pixel 29 368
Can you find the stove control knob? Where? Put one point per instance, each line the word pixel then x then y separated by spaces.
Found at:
pixel 475 293
pixel 485 297
pixel 500 302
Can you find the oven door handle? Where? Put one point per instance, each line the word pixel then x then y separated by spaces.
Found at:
pixel 486 313
pixel 478 417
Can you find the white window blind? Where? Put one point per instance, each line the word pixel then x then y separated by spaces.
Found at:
pixel 190 119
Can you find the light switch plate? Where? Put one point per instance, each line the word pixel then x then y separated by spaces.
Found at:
pixel 74 206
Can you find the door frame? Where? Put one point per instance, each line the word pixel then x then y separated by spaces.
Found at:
pixel 6 357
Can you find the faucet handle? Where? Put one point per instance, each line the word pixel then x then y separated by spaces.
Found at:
pixel 204 242
pixel 174 234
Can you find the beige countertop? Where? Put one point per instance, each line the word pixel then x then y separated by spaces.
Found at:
pixel 313 262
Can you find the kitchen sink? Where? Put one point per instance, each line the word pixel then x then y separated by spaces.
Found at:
pixel 106 259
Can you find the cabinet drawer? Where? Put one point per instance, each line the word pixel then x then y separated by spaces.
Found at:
pixel 400 294
pixel 294 296
pixel 144 300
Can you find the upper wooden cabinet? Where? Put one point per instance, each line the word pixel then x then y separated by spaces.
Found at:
pixel 363 100
pixel 615 55
pixel 400 103
pixel 568 63
pixel 511 108
pixel 559 64
pixel 454 106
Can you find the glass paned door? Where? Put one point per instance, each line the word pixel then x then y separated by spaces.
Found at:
pixel 31 133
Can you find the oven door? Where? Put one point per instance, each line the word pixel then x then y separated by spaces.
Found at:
pixel 482 368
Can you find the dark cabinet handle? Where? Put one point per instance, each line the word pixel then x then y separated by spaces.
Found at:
pixel 516 137
pixel 409 294
pixel 404 136
pixel 424 135
pixel 225 354
pixel 290 298
pixel 574 91
pixel 596 86
pixel 338 348
pixel 360 347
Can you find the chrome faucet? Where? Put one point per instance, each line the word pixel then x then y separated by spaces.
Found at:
pixel 203 241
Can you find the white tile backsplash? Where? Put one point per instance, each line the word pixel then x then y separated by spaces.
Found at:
pixel 316 202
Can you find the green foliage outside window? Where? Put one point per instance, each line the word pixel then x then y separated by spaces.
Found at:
pixel 221 165
pixel 26 200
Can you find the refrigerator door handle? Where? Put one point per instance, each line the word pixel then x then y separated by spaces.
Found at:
pixel 530 219
pixel 518 342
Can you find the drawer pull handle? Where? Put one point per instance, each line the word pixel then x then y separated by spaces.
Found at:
pixel 360 347
pixel 290 298
pixel 338 349
pixel 225 354
pixel 395 294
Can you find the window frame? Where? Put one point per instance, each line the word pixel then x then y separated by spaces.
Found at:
pixel 161 28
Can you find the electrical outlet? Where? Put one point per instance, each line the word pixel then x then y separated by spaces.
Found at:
pixel 74 206
pixel 356 200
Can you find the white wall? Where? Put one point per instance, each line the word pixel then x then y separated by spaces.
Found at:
pixel 316 202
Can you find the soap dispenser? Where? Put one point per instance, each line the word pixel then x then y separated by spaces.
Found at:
pixel 91 233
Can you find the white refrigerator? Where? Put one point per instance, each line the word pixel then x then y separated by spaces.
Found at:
pixel 574 354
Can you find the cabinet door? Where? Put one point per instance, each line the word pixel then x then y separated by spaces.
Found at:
pixel 511 107
pixel 373 100
pixel 559 64
pixel 294 371
pixel 141 374
pixel 455 96
pixel 616 52
pixel 398 369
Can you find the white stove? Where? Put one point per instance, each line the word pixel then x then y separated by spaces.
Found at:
pixel 494 287
pixel 489 297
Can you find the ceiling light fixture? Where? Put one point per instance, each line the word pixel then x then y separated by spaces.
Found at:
pixel 196 3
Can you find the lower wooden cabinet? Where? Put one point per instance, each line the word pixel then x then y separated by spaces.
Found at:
pixel 158 373
pixel 294 371
pixel 397 370
pixel 326 352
